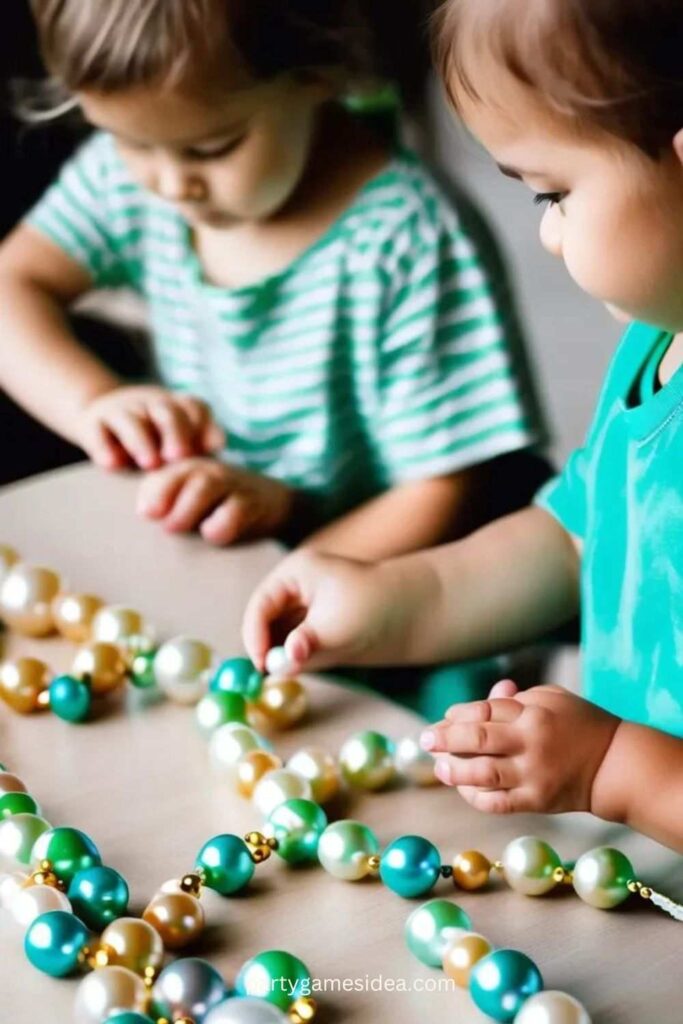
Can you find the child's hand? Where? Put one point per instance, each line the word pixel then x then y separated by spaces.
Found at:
pixel 146 425
pixel 226 504
pixel 326 610
pixel 535 751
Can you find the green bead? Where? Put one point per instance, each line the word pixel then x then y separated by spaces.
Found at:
pixel 99 895
pixel 297 825
pixel 68 850
pixel 141 672
pixel 529 866
pixel 17 803
pixel 19 834
pixel 275 976
pixel 345 848
pixel 431 928
pixel 54 943
pixel 70 698
pixel 220 707
pixel 3 767
pixel 367 760
pixel 502 981
pixel 601 877
pixel 226 863
pixel 129 1017
pixel 238 675
pixel 410 866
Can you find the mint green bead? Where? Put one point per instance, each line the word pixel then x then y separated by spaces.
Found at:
pixel 346 849
pixel 367 760
pixel 238 675
pixel 54 943
pixel 601 877
pixel 3 767
pixel 502 981
pixel 431 928
pixel 17 803
pixel 98 895
pixel 70 698
pixel 276 976
pixel 226 863
pixel 297 824
pixel 410 866
pixel 141 672
pixel 129 1017
pixel 19 834
pixel 218 708
pixel 68 850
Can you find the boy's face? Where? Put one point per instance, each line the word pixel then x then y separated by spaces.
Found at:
pixel 614 216
pixel 220 155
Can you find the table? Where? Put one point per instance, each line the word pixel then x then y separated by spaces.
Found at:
pixel 139 783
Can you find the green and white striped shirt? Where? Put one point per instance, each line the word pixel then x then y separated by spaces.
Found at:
pixel 378 356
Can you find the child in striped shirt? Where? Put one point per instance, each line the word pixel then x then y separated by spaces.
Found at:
pixel 332 356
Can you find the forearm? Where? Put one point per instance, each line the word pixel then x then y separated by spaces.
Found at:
pixel 42 365
pixel 405 519
pixel 640 783
pixel 505 585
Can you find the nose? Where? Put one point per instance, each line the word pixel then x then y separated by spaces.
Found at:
pixel 551 231
pixel 175 185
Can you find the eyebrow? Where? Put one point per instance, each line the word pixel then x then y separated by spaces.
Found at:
pixel 225 132
pixel 511 172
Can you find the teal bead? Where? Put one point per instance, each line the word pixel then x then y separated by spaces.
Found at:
pixel 98 895
pixel 54 942
pixel 297 825
pixel 226 863
pixel 276 976
pixel 68 850
pixel 502 981
pixel 17 803
pixel 218 708
pixel 431 928
pixel 3 767
pixel 141 672
pixel 238 675
pixel 70 698
pixel 410 866
pixel 129 1017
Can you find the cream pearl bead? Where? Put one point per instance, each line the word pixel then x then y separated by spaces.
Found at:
pixel 276 787
pixel 130 942
pixel 73 615
pixel 26 597
pixel 177 917
pixel 107 991
pixel 102 665
pixel 116 624
pixel 414 763
pixel 182 667
pixel 345 850
pixel 552 1007
pixel 18 836
pixel 8 558
pixel 11 883
pixel 35 900
pixel 320 769
pixel 229 744
pixel 528 865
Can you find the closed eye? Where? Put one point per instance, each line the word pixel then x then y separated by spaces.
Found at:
pixel 549 198
pixel 216 151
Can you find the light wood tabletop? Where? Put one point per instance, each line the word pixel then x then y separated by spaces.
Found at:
pixel 139 782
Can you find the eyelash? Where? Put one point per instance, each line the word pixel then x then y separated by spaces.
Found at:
pixel 549 198
pixel 216 154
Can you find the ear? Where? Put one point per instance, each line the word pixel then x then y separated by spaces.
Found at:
pixel 678 145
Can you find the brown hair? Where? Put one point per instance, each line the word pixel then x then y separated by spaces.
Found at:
pixel 115 44
pixel 613 64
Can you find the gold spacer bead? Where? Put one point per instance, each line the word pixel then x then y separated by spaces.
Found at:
pixel 646 892
pixel 272 842
pixel 260 846
pixel 302 1010
pixel 192 883
pixel 43 700
pixel 497 866
pixel 373 863
pixel 101 958
pixel 254 838
pixel 634 886
pixel 149 976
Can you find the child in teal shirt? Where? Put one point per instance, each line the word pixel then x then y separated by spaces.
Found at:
pixel 584 104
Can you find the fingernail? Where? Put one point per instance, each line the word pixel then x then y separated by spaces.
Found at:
pixel 443 772
pixel 428 740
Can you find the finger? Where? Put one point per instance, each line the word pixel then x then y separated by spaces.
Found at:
pixel 213 437
pixel 103 448
pixel 175 430
pixel 500 710
pixel 510 801
pixel 272 602
pixel 196 498
pixel 228 522
pixel 138 438
pixel 207 434
pixel 469 738
pixel 159 491
pixel 504 688
pixel 494 773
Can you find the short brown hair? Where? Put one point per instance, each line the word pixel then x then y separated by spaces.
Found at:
pixel 614 64
pixel 116 44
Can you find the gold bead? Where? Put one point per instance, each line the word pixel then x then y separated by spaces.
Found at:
pixel 462 955
pixel 646 892
pixel 191 883
pixel 302 1010
pixel 132 943
pixel 562 876
pixel 73 615
pixel 498 866
pixel 282 702
pixel 178 917
pixel 471 870
pixel 634 886
pixel 22 682
pixel 101 665
pixel 252 767
pixel 373 864
pixel 260 846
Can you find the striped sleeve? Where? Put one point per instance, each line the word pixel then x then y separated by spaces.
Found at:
pixel 87 213
pixel 452 392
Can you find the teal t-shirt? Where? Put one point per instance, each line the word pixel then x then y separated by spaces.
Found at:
pixel 622 495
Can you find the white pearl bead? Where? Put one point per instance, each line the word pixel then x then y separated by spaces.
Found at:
pixel 30 903
pixel 11 883
pixel 277 662
pixel 414 763
pixel 182 668
pixel 277 786
pixel 246 1010
pixel 229 744
pixel 106 991
pixel 552 1007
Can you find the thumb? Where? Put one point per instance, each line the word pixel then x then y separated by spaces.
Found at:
pixel 504 688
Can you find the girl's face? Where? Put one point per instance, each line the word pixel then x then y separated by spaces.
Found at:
pixel 612 214
pixel 221 156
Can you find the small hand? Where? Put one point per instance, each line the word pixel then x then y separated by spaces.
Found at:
pixel 224 503
pixel 145 425
pixel 538 751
